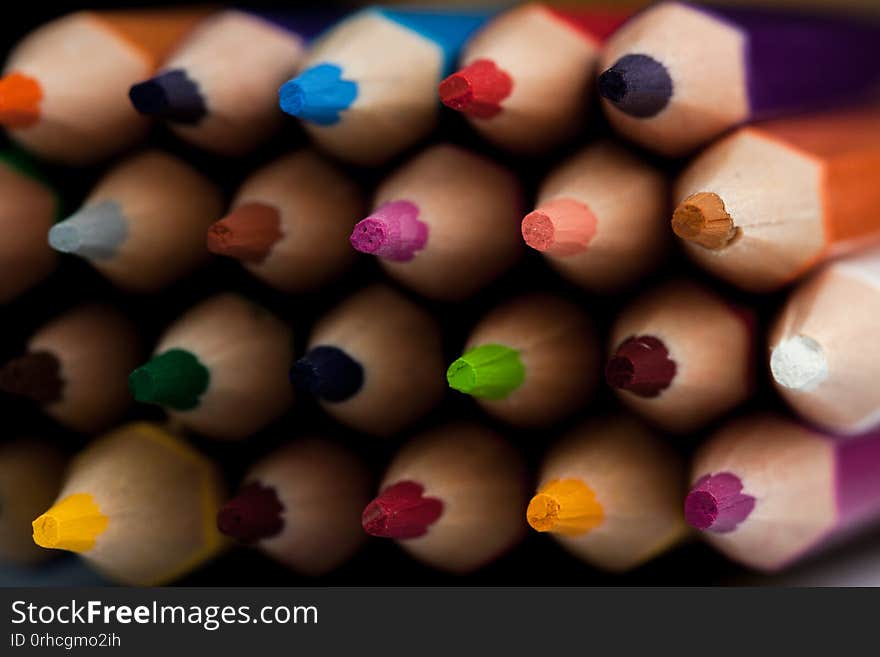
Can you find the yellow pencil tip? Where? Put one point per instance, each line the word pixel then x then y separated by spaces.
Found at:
pixel 565 506
pixel 71 524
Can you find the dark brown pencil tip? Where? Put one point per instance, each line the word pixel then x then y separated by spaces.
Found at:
pixel 701 218
pixel 36 376
pixel 641 365
pixel 253 514
pixel 248 232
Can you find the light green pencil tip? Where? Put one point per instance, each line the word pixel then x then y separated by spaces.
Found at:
pixel 490 371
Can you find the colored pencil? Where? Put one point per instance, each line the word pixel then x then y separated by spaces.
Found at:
pixel 764 205
pixel 62 94
pixel 444 224
pixel 822 354
pixel 290 221
pixel 453 497
pixel 76 367
pixel 139 504
pixel 681 356
pixel 598 220
pixel 143 225
pixel 375 362
pixel 220 369
pixel 28 207
pixel 302 506
pixel 531 361
pixel 677 75
pixel 218 90
pixel 30 477
pixel 610 493
pixel 767 491
pixel 367 90
pixel 527 76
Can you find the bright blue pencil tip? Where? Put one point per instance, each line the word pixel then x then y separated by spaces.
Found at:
pixel 318 95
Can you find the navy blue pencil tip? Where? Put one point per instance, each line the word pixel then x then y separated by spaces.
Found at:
pixel 171 95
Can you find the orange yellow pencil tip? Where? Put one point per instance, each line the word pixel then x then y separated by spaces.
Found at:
pixel 565 506
pixel 71 524
pixel 20 98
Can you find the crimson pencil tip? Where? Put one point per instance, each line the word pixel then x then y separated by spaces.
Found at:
pixel 35 376
pixel 255 513
pixel 400 511
pixel 393 232
pixel 476 90
pixel 641 365
pixel 247 233
pixel 716 503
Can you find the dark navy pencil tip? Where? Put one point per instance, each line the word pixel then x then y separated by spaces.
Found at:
pixel 318 95
pixel 638 85
pixel 172 96
pixel 328 373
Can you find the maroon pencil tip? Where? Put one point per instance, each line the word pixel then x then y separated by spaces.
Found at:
pixel 716 503
pixel 35 376
pixel 641 365
pixel 255 513
pixel 477 89
pixel 400 511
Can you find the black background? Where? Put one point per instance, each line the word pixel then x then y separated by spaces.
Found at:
pixel 538 560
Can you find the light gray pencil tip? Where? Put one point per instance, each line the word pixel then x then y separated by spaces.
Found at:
pixel 95 232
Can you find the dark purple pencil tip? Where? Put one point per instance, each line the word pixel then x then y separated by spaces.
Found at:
pixel 253 514
pixel 637 85
pixel 172 96
pixel 716 503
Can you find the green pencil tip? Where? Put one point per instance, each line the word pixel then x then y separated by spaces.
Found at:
pixel 174 378
pixel 490 371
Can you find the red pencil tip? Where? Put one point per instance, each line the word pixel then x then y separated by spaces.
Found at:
pixel 248 232
pixel 253 514
pixel 642 366
pixel 477 89
pixel 400 512
pixel 20 98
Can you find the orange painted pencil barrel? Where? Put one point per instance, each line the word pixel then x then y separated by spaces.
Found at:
pixel 453 497
pixel 64 89
pixel 610 493
pixel 762 206
pixel 302 505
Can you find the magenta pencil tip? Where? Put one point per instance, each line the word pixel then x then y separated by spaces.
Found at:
pixel 716 503
pixel 393 232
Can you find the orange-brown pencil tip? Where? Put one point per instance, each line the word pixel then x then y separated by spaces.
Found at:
pixel 702 218
pixel 20 98
pixel 248 232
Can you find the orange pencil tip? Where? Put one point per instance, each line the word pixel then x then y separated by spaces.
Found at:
pixel 20 98
pixel 702 218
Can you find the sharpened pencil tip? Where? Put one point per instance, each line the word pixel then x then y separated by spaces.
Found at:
pixel 255 513
pixel 702 218
pixel 328 373
pixel 477 90
pixel 560 227
pixel 318 95
pixel 20 97
pixel 490 371
pixel 393 232
pixel 641 365
pixel 565 506
pixel 798 363
pixel 401 511
pixel 638 85
pixel 247 233
pixel 716 503
pixel 171 95
pixel 72 524
pixel 35 376
pixel 94 232
pixel 175 378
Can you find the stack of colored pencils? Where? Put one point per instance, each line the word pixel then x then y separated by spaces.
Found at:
pixel 280 287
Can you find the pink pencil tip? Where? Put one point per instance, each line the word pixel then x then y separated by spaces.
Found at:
pixel 560 227
pixel 716 503
pixel 393 232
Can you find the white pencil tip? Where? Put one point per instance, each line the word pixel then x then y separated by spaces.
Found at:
pixel 798 363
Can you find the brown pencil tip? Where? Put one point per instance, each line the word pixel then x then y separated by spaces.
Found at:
pixel 36 376
pixel 20 98
pixel 247 233
pixel 702 218
pixel 642 366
